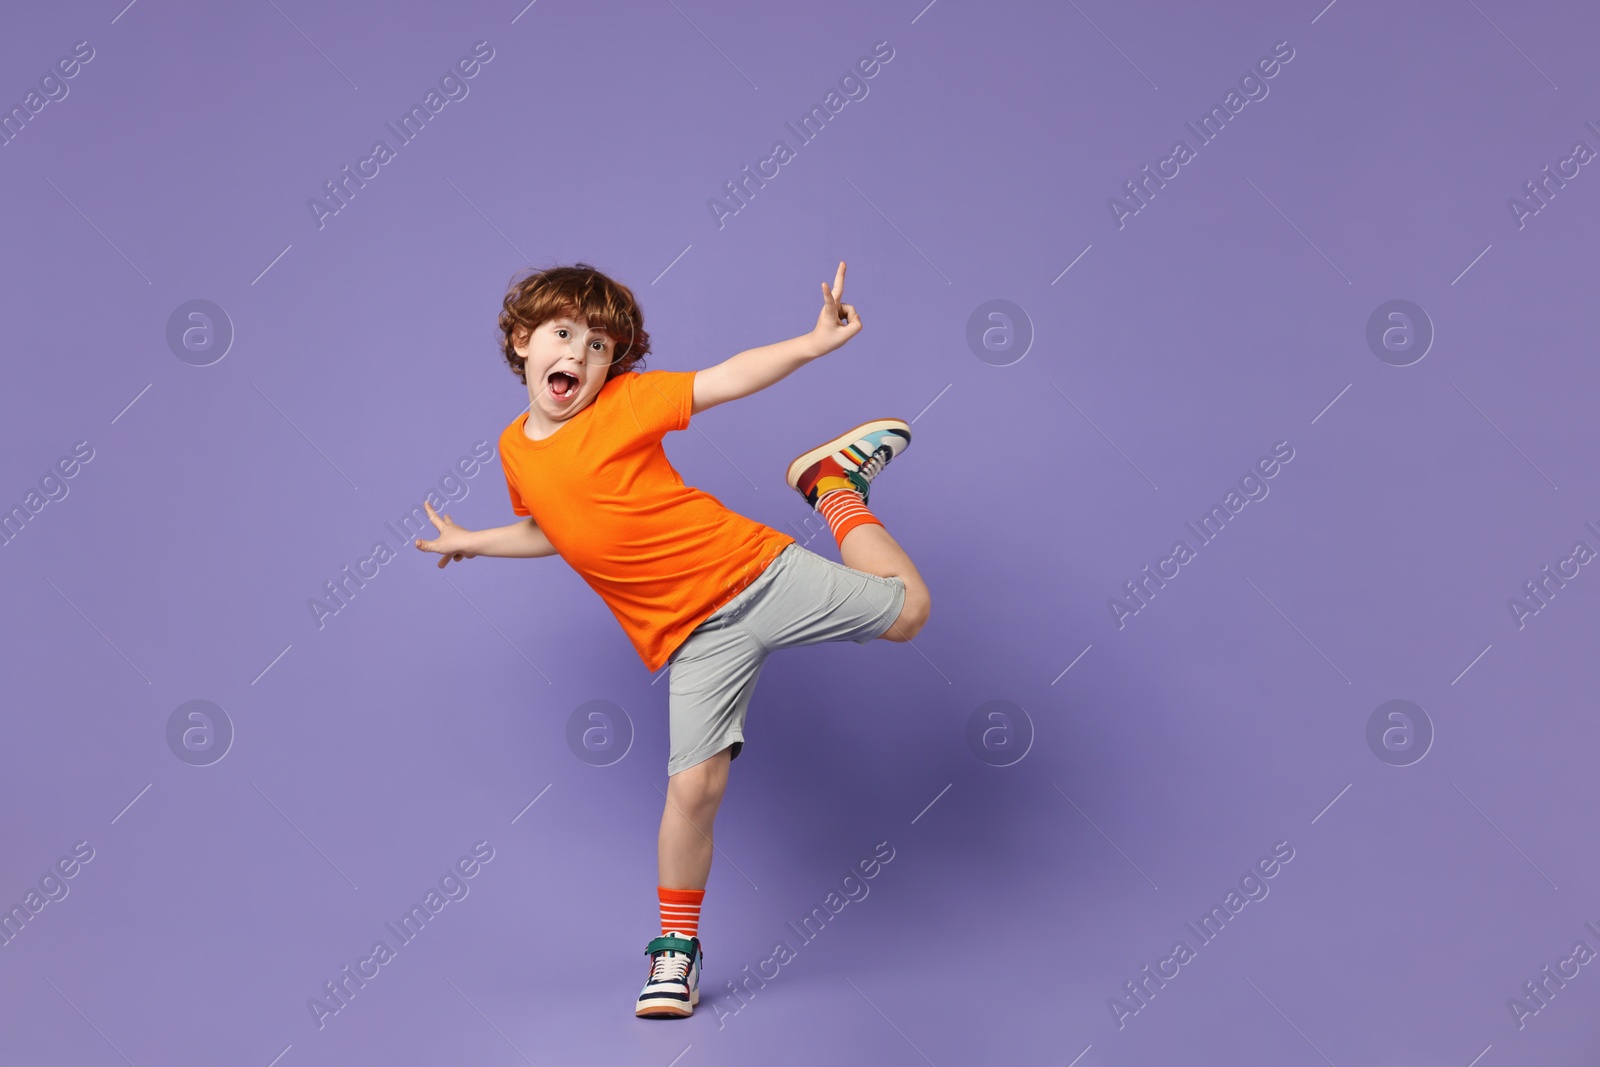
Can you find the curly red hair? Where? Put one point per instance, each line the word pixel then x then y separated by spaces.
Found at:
pixel 578 291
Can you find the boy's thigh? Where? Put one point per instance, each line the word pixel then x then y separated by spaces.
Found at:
pixel 713 676
pixel 813 599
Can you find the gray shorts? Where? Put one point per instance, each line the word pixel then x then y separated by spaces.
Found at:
pixel 801 598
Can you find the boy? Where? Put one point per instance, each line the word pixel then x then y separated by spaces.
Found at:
pixel 693 584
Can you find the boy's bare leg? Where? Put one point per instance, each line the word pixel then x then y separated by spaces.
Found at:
pixel 869 548
pixel 683 851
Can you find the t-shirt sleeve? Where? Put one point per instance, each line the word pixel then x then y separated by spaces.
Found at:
pixel 662 400
pixel 517 506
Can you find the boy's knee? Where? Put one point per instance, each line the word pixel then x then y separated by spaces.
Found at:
pixel 700 786
pixel 695 797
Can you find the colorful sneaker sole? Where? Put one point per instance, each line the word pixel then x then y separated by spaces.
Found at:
pixel 668 1007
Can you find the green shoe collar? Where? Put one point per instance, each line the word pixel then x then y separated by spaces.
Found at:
pixel 667 943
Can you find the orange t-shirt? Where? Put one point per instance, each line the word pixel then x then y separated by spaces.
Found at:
pixel 663 555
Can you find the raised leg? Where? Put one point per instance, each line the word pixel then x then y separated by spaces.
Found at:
pixel 870 548
pixel 683 850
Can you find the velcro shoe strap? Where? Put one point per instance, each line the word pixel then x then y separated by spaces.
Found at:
pixel 671 944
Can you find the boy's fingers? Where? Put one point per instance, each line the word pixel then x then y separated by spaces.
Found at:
pixel 838 281
pixel 830 306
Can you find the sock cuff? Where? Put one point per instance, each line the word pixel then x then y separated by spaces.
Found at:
pixel 861 518
pixel 680 896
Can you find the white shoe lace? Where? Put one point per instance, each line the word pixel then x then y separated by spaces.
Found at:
pixel 875 463
pixel 670 967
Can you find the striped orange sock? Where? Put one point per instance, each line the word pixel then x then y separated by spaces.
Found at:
pixel 844 511
pixel 680 910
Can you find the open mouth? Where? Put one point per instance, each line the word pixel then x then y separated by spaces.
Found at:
pixel 562 384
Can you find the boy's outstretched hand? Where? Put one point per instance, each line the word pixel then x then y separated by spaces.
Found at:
pixel 451 542
pixel 838 322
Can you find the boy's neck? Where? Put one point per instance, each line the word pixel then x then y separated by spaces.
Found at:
pixel 540 426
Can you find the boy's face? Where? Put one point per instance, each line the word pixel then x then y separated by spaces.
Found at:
pixel 566 365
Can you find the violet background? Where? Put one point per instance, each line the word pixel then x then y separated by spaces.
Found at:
pixel 1230 714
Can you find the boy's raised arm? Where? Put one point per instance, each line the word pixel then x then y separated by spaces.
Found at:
pixel 754 369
